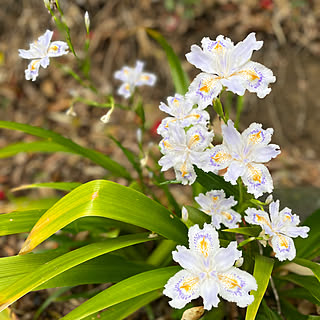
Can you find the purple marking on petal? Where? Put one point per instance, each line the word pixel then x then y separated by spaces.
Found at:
pixel 257 84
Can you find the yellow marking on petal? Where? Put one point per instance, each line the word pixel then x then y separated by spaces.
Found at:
pixel 255 137
pixel 263 220
pixel 227 215
pixel 127 87
pixel 255 174
pixel 221 157
pixel 145 78
pixel 94 195
pixel 215 199
pixel 188 284
pixel 126 71
pixel 249 74
pixel 229 281
pixel 167 145
pixel 207 85
pixel 204 247
pixel 193 140
pixel 283 241
pixel 287 217
pixel 183 169
pixel 172 120
pixel 54 48
pixel 33 65
pixel 175 101
pixel 197 116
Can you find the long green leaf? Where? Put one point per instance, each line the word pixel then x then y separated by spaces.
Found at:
pixel 37 146
pixel 309 248
pixel 180 78
pixel 308 282
pixel 65 262
pixel 265 313
pixel 122 291
pixel 262 271
pixel 121 310
pixel 197 216
pixel 315 267
pixel 299 293
pixel 64 186
pixel 19 221
pixel 110 200
pixel 58 139
pixel 211 181
pixel 249 231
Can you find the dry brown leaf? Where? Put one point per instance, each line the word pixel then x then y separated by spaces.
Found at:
pixel 193 313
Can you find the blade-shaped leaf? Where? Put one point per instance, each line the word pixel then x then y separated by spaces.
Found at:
pixel 265 313
pixel 211 181
pixel 65 262
pixel 262 271
pixel 308 282
pixel 110 200
pixel 122 291
pixel 122 310
pixel 180 78
pixel 72 147
pixel 64 186
pixel 315 267
pixel 249 231
pixel 19 221
pixel 309 248
pixel 197 216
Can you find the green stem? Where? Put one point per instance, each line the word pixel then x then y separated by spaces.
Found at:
pixel 240 101
pixel 244 242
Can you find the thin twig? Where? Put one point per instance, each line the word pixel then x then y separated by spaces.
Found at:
pixel 276 296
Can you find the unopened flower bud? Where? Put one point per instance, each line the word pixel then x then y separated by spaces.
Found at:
pixel 139 135
pixel 47 4
pixel 239 263
pixel 269 199
pixel 70 112
pixel 184 214
pixel 87 21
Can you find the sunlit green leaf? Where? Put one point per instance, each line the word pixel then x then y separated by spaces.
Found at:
pixel 110 200
pixel 123 291
pixel 65 262
pixel 249 231
pixel 64 186
pixel 262 271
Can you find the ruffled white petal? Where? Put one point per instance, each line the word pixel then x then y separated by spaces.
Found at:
pixel 203 89
pixel 182 288
pixel 274 210
pixel 265 153
pixel 235 170
pixel 201 60
pixel 258 180
pixel 44 62
pixel 125 90
pixel 235 285
pixel 148 79
pixel 259 217
pixel 284 247
pixel 186 258
pixel 198 138
pixel 44 40
pixel 230 218
pixel 209 292
pixel 123 74
pixel 185 173
pixel 57 49
pixel 255 135
pixel 204 241
pixel 33 70
pixel 232 139
pixel 215 159
pixel 243 50
pixel 226 257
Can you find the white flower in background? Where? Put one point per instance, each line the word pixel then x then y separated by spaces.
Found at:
pixel 208 271
pixel 133 77
pixel 227 65
pixel 182 149
pixel 281 228
pixel 215 204
pixel 243 155
pixel 87 21
pixel 40 51
pixel 182 112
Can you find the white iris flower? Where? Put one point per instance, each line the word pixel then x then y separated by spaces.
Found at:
pixel 40 51
pixel 215 204
pixel 281 228
pixel 133 77
pixel 227 65
pixel 182 112
pixel 243 155
pixel 182 149
pixel 208 270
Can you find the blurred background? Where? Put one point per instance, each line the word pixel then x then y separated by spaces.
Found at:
pixel 290 30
